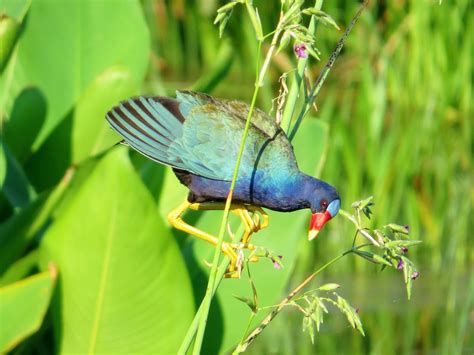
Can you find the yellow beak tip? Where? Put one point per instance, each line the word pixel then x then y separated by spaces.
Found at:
pixel 313 233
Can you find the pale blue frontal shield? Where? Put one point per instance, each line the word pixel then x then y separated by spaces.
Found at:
pixel 333 207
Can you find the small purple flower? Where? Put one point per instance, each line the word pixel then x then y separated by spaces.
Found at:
pixel 400 264
pixel 300 50
pixel 415 275
pixel 276 262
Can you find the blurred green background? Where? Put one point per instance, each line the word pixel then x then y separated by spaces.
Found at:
pixel 394 120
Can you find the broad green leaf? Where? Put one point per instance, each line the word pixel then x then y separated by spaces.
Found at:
pixel 3 164
pixel 282 236
pixel 20 268
pixel 66 44
pixel 16 186
pixel 15 8
pixel 152 174
pixel 23 305
pixel 123 284
pixel 56 152
pixel 91 133
pixel 18 232
pixel 9 29
pixel 25 122
pixel 173 193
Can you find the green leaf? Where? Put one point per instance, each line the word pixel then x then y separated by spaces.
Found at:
pixel 18 232
pixel 3 163
pixel 329 287
pixel 255 19
pixel 9 30
pixel 16 9
pixel 16 186
pixel 174 193
pixel 91 133
pixel 251 304
pixel 152 174
pixel 399 228
pixel 123 281
pixel 402 243
pixel 20 268
pixel 322 16
pixel 23 305
pixel 25 122
pixel 372 257
pixel 352 317
pixel 94 35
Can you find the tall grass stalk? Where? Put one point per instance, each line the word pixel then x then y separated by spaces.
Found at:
pixel 212 277
pixel 309 100
pixel 295 86
pixel 244 344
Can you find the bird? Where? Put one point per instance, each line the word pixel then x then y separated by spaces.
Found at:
pixel 198 136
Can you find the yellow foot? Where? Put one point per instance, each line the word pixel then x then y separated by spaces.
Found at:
pixel 234 252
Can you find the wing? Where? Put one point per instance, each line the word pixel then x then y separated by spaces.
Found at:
pixel 201 134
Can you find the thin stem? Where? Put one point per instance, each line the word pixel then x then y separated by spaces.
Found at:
pixel 296 83
pixel 324 73
pixel 252 316
pixel 206 303
pixel 194 325
pixel 244 345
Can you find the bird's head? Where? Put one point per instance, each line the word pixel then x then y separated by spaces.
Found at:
pixel 324 206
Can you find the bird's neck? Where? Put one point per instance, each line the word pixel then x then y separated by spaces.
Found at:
pixel 290 195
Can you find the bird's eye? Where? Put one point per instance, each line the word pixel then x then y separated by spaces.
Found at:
pixel 324 203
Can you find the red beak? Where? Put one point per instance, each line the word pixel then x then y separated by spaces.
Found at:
pixel 318 220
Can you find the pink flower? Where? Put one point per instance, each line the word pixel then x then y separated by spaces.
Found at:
pixel 400 264
pixel 276 262
pixel 300 50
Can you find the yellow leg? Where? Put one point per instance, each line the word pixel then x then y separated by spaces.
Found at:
pixel 175 219
pixel 251 224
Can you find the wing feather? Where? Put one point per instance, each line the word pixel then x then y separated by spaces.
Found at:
pixel 201 135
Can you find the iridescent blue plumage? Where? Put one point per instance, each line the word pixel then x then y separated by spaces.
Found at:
pixel 199 136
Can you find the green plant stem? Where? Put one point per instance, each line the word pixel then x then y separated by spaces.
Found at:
pixel 194 325
pixel 251 337
pixel 206 303
pixel 296 83
pixel 324 73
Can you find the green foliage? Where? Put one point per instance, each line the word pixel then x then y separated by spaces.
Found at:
pixel 3 164
pixel 66 64
pixel 9 29
pixel 23 305
pixel 119 286
pixel 91 136
pixel 393 121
